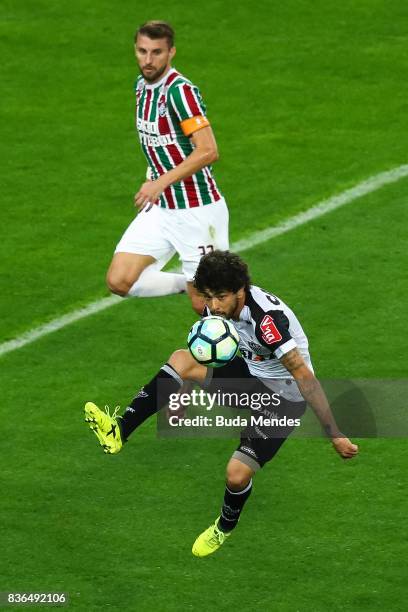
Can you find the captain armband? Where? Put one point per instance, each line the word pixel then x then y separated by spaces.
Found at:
pixel 193 124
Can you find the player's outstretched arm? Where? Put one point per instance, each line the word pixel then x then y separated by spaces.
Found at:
pixel 314 395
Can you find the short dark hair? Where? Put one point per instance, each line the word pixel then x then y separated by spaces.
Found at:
pixel 157 29
pixel 221 271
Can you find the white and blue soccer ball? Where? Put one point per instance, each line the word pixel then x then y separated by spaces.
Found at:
pixel 213 341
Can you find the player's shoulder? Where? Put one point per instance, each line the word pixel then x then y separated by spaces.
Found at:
pixel 260 302
pixel 268 316
pixel 139 83
pixel 177 80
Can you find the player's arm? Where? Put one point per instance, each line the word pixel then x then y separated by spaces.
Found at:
pixel 204 154
pixel 314 395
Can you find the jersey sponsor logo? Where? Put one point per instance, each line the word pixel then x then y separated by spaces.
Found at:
pixel 157 141
pixel 150 127
pixel 270 333
pixel 250 356
pixel 255 347
pixel 150 136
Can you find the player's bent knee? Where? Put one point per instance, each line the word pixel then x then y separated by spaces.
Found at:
pixel 237 482
pixel 118 284
pixel 238 475
pixel 118 289
pixel 182 362
pixel 187 367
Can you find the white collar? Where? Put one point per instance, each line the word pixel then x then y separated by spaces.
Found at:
pixel 245 314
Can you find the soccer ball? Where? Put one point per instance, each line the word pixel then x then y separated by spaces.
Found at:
pixel 213 341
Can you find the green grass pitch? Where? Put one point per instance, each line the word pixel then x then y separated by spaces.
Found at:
pixel 306 100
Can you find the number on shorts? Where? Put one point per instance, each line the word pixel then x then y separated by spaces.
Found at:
pixel 205 249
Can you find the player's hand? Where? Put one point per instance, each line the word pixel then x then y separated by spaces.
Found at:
pixel 345 447
pixel 148 194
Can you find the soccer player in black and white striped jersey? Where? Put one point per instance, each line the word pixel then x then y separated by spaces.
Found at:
pixel 275 360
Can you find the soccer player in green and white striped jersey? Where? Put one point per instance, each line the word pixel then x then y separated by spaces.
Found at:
pixel 181 209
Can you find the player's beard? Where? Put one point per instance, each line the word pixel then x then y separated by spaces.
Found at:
pixel 154 76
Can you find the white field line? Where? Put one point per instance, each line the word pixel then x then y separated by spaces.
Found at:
pixel 58 323
pixel 361 189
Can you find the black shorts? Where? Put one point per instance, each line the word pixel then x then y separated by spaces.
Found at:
pixel 259 443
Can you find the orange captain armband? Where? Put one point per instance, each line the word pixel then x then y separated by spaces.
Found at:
pixel 193 124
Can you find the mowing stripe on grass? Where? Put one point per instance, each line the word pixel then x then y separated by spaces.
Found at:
pixel 361 189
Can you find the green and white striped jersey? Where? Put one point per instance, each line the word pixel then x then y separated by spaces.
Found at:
pixel 167 113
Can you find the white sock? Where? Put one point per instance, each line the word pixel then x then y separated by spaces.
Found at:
pixel 153 283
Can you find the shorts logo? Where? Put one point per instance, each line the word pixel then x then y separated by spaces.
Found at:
pixel 142 393
pixel 248 450
pixel 270 333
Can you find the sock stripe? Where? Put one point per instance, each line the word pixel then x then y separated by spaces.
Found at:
pixel 249 485
pixel 172 372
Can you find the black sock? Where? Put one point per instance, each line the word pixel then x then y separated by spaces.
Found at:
pixel 231 509
pixel 150 399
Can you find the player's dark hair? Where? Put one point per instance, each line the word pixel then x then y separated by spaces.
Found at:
pixel 157 29
pixel 221 271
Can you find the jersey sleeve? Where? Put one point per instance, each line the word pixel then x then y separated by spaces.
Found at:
pixel 137 84
pixel 189 108
pixel 273 333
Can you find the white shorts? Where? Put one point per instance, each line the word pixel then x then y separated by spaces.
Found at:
pixel 190 232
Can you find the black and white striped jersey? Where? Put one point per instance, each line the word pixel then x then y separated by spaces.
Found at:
pixel 268 329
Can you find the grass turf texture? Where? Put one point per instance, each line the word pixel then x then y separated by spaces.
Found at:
pixel 316 102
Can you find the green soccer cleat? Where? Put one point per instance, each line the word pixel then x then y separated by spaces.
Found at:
pixel 105 427
pixel 209 541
